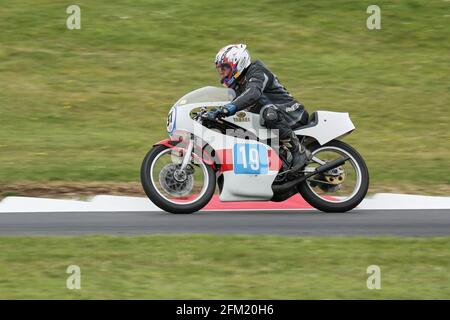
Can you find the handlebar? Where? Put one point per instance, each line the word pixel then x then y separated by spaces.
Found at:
pixel 201 115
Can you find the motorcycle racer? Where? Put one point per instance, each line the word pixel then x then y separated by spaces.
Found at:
pixel 259 91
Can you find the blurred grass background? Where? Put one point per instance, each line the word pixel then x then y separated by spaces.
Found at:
pixel 223 267
pixel 86 105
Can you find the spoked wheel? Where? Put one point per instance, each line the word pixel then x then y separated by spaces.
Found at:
pixel 172 189
pixel 340 189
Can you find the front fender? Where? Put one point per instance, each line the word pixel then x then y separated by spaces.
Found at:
pixel 179 145
pixel 167 142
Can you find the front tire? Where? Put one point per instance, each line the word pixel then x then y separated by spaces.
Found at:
pixel 163 202
pixel 321 204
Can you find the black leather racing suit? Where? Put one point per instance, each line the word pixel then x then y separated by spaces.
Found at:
pixel 259 91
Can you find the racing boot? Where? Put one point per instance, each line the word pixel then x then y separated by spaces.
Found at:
pixel 299 156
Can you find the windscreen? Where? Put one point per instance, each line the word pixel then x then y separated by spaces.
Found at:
pixel 207 94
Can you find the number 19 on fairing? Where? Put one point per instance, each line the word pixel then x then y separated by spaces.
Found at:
pixel 250 159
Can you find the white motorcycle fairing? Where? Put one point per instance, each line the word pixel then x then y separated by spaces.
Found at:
pixel 327 126
pixel 248 167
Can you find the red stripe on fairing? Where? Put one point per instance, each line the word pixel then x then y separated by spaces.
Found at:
pixel 274 160
pixel 226 159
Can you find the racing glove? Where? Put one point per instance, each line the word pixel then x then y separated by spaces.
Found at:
pixel 225 111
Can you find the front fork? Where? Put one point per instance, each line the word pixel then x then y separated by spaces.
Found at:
pixel 187 155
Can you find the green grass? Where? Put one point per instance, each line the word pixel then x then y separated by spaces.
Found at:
pixel 87 104
pixel 224 267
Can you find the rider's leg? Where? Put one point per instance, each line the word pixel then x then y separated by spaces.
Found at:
pixel 274 119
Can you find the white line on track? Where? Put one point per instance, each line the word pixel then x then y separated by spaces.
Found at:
pixel 105 203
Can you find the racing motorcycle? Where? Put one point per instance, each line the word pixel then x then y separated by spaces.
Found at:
pixel 245 160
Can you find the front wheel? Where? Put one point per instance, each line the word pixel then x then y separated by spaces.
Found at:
pixel 172 189
pixel 340 189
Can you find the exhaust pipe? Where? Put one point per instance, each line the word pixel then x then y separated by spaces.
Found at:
pixel 281 188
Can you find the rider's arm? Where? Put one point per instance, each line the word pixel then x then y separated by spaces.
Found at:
pixel 255 87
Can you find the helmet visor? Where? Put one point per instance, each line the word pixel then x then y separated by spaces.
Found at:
pixel 224 71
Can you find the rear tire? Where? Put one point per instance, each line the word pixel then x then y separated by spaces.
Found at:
pixel 164 204
pixel 351 203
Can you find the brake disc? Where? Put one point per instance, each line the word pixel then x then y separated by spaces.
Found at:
pixel 176 182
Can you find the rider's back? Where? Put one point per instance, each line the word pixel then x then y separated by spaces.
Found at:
pixel 273 92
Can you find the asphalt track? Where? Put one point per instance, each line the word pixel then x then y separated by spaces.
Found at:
pixel 302 223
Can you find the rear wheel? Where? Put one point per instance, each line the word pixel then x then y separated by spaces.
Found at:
pixel 172 189
pixel 340 189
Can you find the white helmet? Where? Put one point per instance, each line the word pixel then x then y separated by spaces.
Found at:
pixel 237 58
